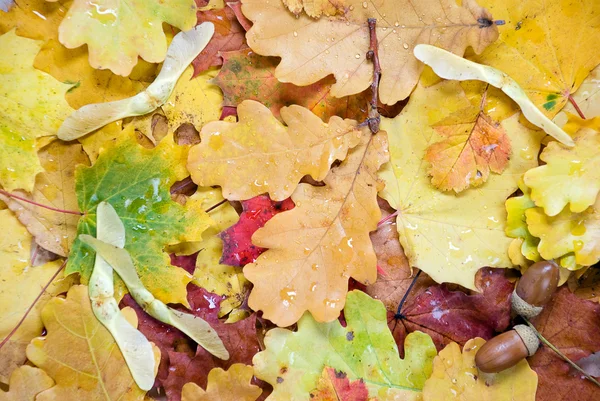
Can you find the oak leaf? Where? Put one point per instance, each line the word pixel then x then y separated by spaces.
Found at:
pixel 524 244
pixel 34 19
pixel 536 47
pixel 238 249
pixel 312 49
pixel 316 8
pixel 246 75
pixel 79 354
pixel 25 383
pixel 473 145
pixel 116 33
pixel 364 349
pixel 136 182
pixel 282 155
pixel 455 377
pixel 334 385
pixel 101 139
pixel 32 105
pixel 231 385
pixel 448 236
pixel 315 248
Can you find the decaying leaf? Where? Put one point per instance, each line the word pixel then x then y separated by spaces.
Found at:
pixel 473 145
pixel 79 354
pixel 317 246
pixel 448 236
pixel 312 49
pixel 116 33
pixel 231 385
pixel 281 154
pixel 455 377
pixel 32 105
pixel 334 385
pixel 293 361
pixel 25 383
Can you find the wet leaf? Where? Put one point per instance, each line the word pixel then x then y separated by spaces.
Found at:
pixel 334 385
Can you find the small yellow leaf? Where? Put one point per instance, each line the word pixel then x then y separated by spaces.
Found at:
pixel 25 383
pixel 455 377
pixel 260 155
pixel 231 385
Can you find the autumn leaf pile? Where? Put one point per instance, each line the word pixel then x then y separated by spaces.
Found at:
pixel 336 259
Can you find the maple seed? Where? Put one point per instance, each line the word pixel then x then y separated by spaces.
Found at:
pixel 535 288
pixel 507 349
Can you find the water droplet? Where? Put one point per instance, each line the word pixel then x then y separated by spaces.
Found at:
pixel 405 45
pixel 365 4
pixel 357 55
pixel 295 34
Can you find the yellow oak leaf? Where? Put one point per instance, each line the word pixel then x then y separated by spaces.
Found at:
pixel 260 155
pixel 473 145
pixel 567 232
pixel 34 19
pixel 315 8
pixel 446 235
pixel 312 49
pixel 20 284
pixel 25 383
pixel 455 377
pixel 516 227
pixel 79 353
pixel 32 105
pixel 55 187
pixel 571 175
pixel 314 248
pixel 231 385
pixel 548 47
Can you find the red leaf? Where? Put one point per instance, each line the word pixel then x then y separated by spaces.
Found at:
pixel 237 245
pixel 236 6
pixel 335 385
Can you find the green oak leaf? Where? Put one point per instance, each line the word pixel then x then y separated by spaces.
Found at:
pixel 365 349
pixel 136 182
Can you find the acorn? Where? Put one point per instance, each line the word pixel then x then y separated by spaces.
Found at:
pixel 535 288
pixel 507 349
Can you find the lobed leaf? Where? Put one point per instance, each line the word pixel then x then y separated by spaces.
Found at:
pixel 231 385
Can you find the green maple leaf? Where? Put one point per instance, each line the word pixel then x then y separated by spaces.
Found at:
pixel 365 349
pixel 136 182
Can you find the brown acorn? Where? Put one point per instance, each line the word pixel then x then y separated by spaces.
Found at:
pixel 535 288
pixel 507 349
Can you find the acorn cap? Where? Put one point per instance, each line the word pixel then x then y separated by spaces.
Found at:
pixel 522 308
pixel 529 338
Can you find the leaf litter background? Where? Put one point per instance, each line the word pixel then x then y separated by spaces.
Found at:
pixel 295 215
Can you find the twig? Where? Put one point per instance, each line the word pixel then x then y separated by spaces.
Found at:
pixel 215 206
pixel 8 194
pixel 576 106
pixel 398 314
pixel 373 54
pixel 563 356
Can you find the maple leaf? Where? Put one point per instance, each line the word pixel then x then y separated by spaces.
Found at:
pixel 55 186
pixel 536 47
pixel 25 383
pixel 32 106
pixel 136 182
pixel 455 377
pixel 117 32
pixel 586 98
pixel 334 385
pixel 238 249
pixel 316 247
pixel 572 325
pixel 285 154
pixel 231 385
pixel 570 175
pixel 79 354
pixel 449 237
pixel 473 145
pixel 246 75
pixel 312 49
pixel 20 284
pixel 363 349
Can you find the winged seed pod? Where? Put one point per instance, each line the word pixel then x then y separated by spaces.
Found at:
pixel 183 49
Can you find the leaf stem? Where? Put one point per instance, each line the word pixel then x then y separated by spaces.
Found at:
pixel 563 356
pixel 576 106
pixel 8 194
pixel 387 218
pixel 398 314
pixel 373 54
pixel 213 207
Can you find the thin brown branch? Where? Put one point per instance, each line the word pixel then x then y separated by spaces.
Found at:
pixel 374 118
pixel 215 206
pixel 8 194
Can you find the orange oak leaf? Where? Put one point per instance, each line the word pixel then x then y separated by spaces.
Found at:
pixel 316 247
pixel 334 385
pixel 231 385
pixel 26 382
pixel 474 145
pixel 316 8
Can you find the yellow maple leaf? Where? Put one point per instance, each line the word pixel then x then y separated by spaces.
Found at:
pixel 316 8
pixel 446 235
pixel 314 248
pixel 260 155
pixel 117 32
pixel 55 187
pixel 25 383
pixel 231 385
pixel 32 105
pixel 455 377
pixel 548 47
pixel 312 49
pixel 20 284
pixel 473 145
pixel 80 354
pixel 587 99
pixel 571 175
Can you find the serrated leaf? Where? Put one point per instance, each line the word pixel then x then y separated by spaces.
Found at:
pixel 334 385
